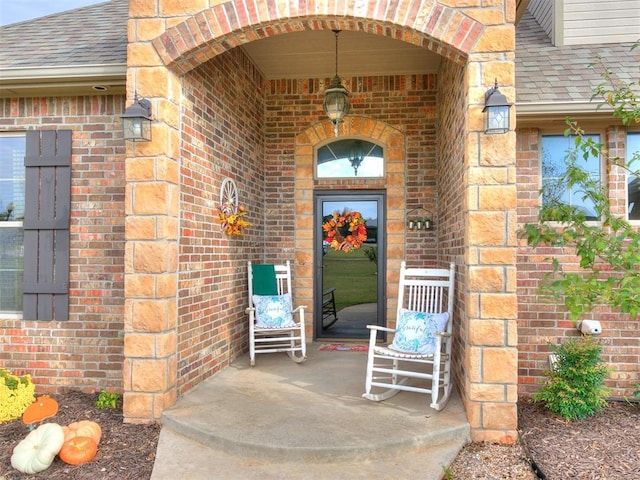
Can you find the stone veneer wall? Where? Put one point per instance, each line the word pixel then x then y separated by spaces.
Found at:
pixel 542 322
pixel 86 352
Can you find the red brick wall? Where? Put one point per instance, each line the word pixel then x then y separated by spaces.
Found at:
pixel 222 137
pixel 241 131
pixel 406 103
pixel 85 352
pixel 451 165
pixel 541 321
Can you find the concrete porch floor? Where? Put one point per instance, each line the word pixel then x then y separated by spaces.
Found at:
pixel 281 420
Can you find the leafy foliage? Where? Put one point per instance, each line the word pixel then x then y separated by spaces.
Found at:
pixel 608 250
pixel 107 400
pixel 574 388
pixel 232 221
pixel 16 394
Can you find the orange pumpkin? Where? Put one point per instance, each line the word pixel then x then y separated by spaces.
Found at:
pixel 83 428
pixel 44 407
pixel 78 450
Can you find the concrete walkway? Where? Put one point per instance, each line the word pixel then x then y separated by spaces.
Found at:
pixel 281 420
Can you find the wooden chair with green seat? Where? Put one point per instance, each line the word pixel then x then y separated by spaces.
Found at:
pixel 274 325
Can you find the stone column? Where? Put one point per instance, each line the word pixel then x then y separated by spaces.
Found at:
pixel 491 355
pixel 151 232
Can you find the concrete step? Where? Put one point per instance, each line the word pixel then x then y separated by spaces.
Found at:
pixel 307 420
pixel 180 458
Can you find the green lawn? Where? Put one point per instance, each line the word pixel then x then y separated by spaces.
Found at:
pixel 353 276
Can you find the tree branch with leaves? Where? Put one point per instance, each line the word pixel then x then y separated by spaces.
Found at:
pixel 608 250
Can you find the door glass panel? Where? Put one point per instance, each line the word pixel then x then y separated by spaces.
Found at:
pixel 349 269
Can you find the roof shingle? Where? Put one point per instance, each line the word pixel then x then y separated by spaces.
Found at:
pixel 93 35
pixel 548 74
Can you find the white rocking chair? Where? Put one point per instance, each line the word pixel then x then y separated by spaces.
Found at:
pixel 269 331
pixel 425 298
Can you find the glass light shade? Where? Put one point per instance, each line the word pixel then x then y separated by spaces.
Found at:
pixel 496 108
pixel 136 129
pixel 497 119
pixel 136 121
pixel 336 103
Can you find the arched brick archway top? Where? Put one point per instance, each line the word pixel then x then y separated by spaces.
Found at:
pixel 225 26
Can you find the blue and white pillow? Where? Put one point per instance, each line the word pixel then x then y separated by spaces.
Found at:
pixel 273 311
pixel 415 331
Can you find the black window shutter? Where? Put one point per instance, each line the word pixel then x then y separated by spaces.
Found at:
pixel 46 225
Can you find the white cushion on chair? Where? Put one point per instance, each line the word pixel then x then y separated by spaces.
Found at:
pixel 273 311
pixel 415 332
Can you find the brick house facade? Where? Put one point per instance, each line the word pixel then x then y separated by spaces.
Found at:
pixel 157 292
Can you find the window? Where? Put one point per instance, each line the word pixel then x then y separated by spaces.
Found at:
pixel 633 181
pixel 555 149
pixel 350 158
pixel 12 178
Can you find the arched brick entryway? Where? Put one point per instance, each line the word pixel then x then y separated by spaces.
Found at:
pixel 169 40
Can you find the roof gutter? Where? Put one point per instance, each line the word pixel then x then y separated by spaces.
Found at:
pixel 550 115
pixel 40 74
pixel 561 108
pixel 63 80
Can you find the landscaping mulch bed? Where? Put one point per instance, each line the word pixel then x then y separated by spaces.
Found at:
pixel 602 447
pixel 605 446
pixel 126 451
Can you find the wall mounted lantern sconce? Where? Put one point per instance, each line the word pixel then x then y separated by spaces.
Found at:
pixel 136 120
pixel 416 222
pixel 497 108
pixel 336 100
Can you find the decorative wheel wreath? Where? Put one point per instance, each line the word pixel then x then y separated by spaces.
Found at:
pixel 344 231
pixel 230 213
pixel 229 194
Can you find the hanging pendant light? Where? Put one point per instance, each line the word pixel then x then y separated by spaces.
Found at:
pixel 336 101
pixel 356 156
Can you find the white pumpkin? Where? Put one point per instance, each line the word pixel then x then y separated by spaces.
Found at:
pixel 36 452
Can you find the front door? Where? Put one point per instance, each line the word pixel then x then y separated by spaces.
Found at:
pixel 349 264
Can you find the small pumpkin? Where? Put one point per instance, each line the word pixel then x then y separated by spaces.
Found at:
pixel 78 450
pixel 36 452
pixel 83 428
pixel 44 407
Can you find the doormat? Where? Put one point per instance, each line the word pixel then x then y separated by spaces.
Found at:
pixel 343 347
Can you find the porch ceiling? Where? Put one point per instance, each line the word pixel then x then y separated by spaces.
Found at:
pixel 311 54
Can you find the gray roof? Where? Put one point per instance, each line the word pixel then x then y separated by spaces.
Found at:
pixel 548 74
pixel 93 35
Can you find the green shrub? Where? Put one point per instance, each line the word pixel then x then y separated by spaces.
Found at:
pixel 16 394
pixel 107 400
pixel 574 388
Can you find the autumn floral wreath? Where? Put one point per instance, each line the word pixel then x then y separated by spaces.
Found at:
pixel 344 231
pixel 231 222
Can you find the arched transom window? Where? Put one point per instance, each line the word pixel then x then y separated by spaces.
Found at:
pixel 351 157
